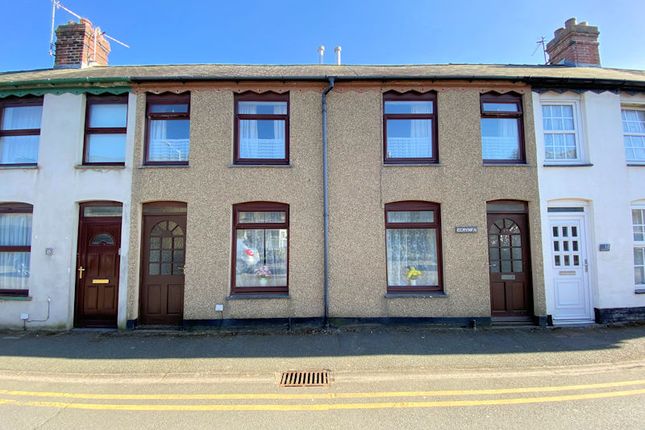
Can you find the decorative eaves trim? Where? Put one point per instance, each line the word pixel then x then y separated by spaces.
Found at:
pixel 21 92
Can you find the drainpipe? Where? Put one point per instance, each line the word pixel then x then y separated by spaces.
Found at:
pixel 325 204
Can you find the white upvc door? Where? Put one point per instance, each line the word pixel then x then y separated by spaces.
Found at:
pixel 570 269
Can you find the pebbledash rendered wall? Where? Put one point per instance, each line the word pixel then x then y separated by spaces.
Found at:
pixel 210 186
pixel 360 185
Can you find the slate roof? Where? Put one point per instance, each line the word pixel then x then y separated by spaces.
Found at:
pixel 525 73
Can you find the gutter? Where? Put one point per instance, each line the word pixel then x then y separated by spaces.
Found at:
pixel 325 204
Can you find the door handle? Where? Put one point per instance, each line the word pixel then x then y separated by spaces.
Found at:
pixel 586 265
pixel 81 269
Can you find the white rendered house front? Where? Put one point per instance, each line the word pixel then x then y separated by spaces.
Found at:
pixel 591 171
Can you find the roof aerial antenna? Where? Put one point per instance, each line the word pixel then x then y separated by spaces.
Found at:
pixel 56 4
pixel 541 43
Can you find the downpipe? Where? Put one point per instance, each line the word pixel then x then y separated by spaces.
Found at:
pixel 327 90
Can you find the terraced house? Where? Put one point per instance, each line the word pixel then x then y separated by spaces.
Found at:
pixel 137 196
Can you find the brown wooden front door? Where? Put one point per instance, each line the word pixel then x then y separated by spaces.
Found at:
pixel 509 262
pixel 97 270
pixel 162 267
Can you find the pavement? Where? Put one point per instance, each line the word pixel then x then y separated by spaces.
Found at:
pixel 381 377
pixel 346 352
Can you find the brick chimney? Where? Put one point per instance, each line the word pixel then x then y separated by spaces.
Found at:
pixel 574 45
pixel 79 45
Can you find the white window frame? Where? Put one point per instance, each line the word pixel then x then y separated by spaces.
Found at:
pixel 637 244
pixel 577 131
pixel 630 107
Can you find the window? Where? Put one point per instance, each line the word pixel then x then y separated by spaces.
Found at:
pixel 20 131
pixel 260 248
pixel 560 133
pixel 638 220
pixel 105 130
pixel 261 128
pixel 634 134
pixel 501 128
pixel 168 129
pixel 413 241
pixel 15 248
pixel 409 128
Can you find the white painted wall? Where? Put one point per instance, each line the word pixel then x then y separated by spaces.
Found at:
pixel 55 189
pixel 608 189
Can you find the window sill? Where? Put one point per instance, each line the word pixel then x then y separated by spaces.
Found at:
pixel 15 298
pixel 428 295
pixel 256 166
pixel 100 166
pixel 258 296
pixel 485 164
pixel 18 167
pixel 639 291
pixel 569 165
pixel 412 165
pixel 164 166
pixel 635 164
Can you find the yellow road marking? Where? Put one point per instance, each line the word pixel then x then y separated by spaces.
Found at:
pixel 328 406
pixel 324 396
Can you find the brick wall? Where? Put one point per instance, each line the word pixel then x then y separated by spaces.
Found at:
pixel 75 45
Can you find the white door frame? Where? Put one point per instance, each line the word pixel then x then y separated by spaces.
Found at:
pixel 587 314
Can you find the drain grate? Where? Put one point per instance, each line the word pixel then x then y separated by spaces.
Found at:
pixel 305 378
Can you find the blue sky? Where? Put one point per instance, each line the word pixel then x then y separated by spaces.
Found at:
pixel 289 31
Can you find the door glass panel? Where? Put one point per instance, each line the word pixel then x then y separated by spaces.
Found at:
pixel 556 245
pixel 555 232
pixel 565 231
pixel 102 211
pixel 557 260
pixel 505 246
pixel 566 260
pixel 574 231
pixel 576 260
pixel 574 244
pixel 169 260
pixel 102 239
pixel 565 245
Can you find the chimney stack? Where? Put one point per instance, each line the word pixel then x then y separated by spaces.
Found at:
pixel 79 45
pixel 574 45
pixel 337 51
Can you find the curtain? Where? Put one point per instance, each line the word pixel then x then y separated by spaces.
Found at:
pixel 258 248
pixel 420 139
pixel 15 230
pixel 264 139
pixel 169 140
pixel 500 139
pixel 22 118
pixel 19 149
pixel 412 248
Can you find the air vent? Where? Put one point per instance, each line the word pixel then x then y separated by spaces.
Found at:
pixel 305 378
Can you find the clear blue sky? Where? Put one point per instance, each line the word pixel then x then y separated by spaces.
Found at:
pixel 289 31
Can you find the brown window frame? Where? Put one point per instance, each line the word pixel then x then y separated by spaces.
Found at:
pixel 412 96
pixel 258 207
pixel 165 99
pixel 506 98
pixel 16 208
pixel 103 100
pixel 250 96
pixel 19 102
pixel 413 206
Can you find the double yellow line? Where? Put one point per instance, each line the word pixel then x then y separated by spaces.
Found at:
pixel 14 397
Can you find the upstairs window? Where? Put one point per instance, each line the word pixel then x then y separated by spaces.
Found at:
pixel 634 135
pixel 15 248
pixel 502 128
pixel 168 129
pixel 105 130
pixel 413 240
pixel 20 131
pixel 410 128
pixel 561 141
pixel 261 128
pixel 260 248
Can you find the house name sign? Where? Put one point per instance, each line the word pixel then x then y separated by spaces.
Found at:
pixel 466 229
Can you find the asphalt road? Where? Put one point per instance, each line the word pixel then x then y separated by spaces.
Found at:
pixel 381 378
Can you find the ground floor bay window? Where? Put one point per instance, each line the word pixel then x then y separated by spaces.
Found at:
pixel 638 219
pixel 413 240
pixel 15 248
pixel 260 248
